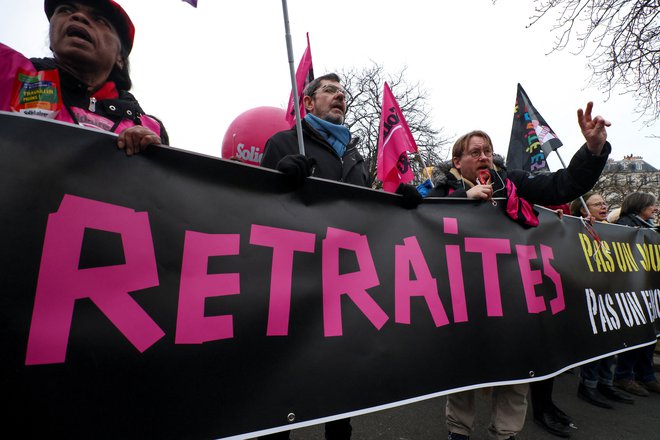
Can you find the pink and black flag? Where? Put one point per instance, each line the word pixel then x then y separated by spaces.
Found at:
pixel 192 2
pixel 304 75
pixel 394 142
pixel 532 139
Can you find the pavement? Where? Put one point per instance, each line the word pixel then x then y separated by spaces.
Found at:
pixel 425 420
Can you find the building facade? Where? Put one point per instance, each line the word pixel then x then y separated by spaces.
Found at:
pixel 625 176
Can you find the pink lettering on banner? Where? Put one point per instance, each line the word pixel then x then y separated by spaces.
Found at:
pixel 450 225
pixel 455 270
pixel 489 248
pixel 61 282
pixel 410 254
pixel 530 278
pixel 557 304
pixel 354 284
pixel 284 243
pixel 192 327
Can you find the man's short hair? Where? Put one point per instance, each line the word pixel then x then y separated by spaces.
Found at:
pixel 314 85
pixel 461 144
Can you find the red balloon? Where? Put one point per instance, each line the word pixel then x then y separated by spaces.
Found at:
pixel 246 136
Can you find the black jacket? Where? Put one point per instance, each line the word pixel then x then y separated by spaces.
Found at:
pixel 635 221
pixel 348 169
pixel 555 188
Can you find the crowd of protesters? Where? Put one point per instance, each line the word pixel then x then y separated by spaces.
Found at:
pixel 618 378
pixel 91 41
pixel 473 173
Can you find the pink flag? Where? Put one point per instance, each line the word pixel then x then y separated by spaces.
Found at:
pixel 304 75
pixel 192 2
pixel 394 142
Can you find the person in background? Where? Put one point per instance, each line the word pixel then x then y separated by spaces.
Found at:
pixel 596 204
pixel 597 378
pixel 473 176
pixel 635 372
pixel 86 82
pixel 638 210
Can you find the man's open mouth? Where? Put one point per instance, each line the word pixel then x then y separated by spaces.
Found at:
pixel 79 32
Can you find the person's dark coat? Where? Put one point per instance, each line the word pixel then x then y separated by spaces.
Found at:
pixel 555 188
pixel 634 221
pixel 348 169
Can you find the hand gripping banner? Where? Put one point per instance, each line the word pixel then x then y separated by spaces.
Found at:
pixel 170 295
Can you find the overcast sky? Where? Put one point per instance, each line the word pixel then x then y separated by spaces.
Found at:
pixel 197 69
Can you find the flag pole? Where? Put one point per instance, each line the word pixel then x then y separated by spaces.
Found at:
pixel 292 71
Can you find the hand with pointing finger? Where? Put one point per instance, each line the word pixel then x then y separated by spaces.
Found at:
pixel 593 129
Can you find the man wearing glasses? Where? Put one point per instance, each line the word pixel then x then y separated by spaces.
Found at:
pixel 473 175
pixel 330 153
pixel 330 150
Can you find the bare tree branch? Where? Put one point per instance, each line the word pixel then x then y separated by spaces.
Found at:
pixel 622 42
pixel 365 89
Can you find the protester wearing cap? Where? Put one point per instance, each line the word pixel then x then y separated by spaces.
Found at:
pixel 86 82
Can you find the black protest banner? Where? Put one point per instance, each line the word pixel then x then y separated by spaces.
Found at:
pixel 178 296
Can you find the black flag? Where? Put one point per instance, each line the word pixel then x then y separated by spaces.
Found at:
pixel 532 139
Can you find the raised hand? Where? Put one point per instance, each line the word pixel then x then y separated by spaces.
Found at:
pixel 593 129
